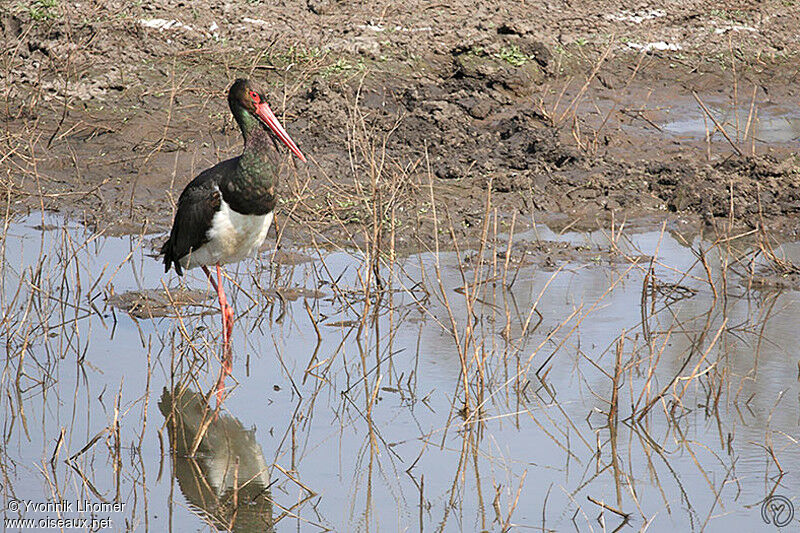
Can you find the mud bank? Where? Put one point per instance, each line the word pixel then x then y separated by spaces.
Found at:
pixel 574 116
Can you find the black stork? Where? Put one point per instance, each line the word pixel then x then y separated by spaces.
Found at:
pixel 224 213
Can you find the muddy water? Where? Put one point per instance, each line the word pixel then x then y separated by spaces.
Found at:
pixel 766 124
pixel 337 422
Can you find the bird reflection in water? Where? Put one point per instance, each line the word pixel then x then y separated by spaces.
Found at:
pixel 219 465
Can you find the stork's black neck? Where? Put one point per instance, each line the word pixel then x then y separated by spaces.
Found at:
pixel 251 188
pixel 248 124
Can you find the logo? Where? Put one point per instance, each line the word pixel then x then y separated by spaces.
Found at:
pixel 777 510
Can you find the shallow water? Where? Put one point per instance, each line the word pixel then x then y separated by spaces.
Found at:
pixel 359 426
pixel 768 124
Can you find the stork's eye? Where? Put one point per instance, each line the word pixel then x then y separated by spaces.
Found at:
pixel 255 97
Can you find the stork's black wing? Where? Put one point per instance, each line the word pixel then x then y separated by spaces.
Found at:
pixel 197 205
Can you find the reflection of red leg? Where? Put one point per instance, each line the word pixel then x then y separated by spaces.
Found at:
pixel 223 373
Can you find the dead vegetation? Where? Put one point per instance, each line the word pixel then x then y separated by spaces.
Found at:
pixel 644 412
pixel 430 351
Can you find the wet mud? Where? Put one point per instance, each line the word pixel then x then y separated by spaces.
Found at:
pixel 618 115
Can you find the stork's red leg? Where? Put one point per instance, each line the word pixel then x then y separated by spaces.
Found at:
pixel 227 313
pixel 227 330
pixel 227 323
pixel 225 309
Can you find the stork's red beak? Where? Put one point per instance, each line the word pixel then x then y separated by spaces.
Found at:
pixel 265 113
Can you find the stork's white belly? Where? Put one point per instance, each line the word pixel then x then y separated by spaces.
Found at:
pixel 232 237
